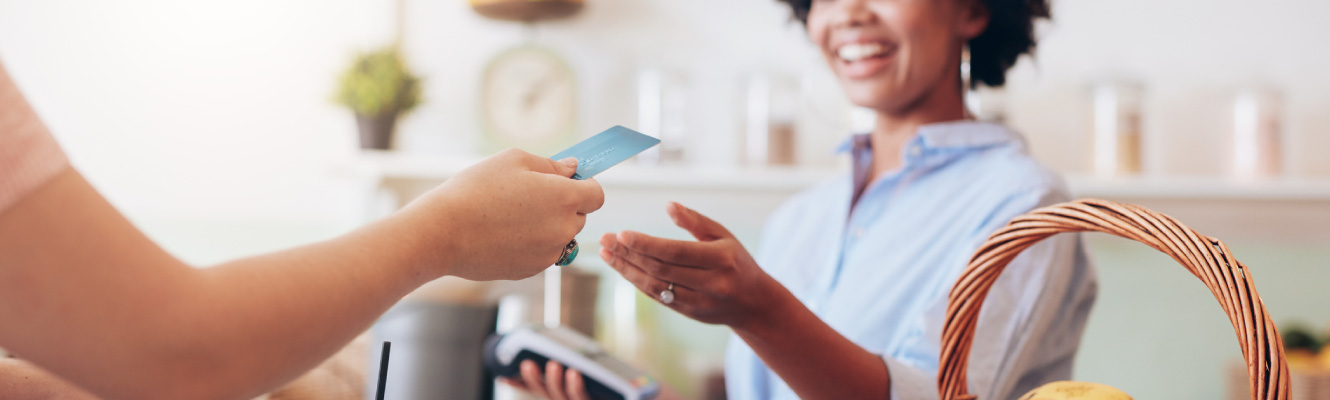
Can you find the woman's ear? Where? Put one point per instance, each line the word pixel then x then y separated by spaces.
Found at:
pixel 974 18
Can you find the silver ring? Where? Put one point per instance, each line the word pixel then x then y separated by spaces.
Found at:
pixel 667 295
pixel 569 253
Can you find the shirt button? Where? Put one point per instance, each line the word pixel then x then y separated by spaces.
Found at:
pixel 858 232
pixel 914 151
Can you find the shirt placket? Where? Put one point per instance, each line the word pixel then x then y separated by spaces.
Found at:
pixel 860 219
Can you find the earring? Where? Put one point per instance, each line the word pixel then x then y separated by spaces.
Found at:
pixel 965 68
pixel 970 98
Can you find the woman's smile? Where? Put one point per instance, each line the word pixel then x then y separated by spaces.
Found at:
pixel 863 58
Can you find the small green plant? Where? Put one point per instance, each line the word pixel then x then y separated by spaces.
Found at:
pixel 378 84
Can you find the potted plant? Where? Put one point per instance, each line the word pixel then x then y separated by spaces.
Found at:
pixel 378 88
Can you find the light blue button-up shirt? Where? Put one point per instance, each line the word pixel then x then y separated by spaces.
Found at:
pixel 879 272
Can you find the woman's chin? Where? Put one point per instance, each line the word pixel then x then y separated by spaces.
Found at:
pixel 876 97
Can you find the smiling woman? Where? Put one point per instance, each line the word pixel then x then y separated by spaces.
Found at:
pixel 1009 34
pixel 847 296
pixel 917 43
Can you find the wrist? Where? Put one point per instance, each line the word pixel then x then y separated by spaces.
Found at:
pixel 772 304
pixel 428 251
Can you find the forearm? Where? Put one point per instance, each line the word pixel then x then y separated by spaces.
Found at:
pixel 815 360
pixel 22 380
pixel 273 317
pixel 102 306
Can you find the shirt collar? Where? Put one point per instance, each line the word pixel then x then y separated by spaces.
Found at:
pixel 954 134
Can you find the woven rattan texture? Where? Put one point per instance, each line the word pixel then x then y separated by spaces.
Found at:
pixel 1206 258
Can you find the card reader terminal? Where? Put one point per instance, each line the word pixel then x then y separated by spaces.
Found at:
pixel 606 377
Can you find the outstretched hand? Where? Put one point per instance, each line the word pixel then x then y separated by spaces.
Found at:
pixel 715 279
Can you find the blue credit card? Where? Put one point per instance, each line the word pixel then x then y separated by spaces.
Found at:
pixel 600 152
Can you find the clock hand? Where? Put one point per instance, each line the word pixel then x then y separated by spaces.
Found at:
pixel 537 91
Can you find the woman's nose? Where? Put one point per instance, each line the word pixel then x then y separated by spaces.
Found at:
pixel 851 13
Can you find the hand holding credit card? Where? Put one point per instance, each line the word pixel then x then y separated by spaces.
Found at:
pixel 600 152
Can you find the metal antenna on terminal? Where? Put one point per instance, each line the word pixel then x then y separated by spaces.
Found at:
pixel 383 370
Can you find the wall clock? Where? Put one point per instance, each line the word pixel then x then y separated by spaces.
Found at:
pixel 528 100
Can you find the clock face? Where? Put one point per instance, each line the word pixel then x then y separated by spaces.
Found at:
pixel 528 99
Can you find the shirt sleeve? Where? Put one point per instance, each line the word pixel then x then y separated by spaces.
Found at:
pixel 1030 324
pixel 29 156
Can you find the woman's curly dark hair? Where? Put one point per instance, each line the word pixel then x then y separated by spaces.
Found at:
pixel 1010 33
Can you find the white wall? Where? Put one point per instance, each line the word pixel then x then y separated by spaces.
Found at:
pixel 713 44
pixel 208 123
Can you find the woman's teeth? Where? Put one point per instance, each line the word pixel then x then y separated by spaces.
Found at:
pixel 858 51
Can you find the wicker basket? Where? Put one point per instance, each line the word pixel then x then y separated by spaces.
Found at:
pixel 1309 384
pixel 1206 258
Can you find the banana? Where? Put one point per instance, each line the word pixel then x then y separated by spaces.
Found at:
pixel 1070 390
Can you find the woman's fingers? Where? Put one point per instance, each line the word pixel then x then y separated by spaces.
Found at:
pixel 701 227
pixel 554 380
pixel 517 383
pixel 532 379
pixel 646 283
pixel 564 168
pixel 576 388
pixel 588 196
pixel 683 252
pixel 593 196
pixel 554 383
pixel 681 275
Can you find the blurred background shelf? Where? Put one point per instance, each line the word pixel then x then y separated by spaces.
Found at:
pixel 1295 210
pixel 1287 211
pixel 396 166
pixel 393 165
pixel 1201 188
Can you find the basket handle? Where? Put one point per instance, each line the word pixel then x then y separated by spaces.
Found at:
pixel 1206 258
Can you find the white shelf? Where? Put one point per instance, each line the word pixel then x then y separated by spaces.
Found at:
pixel 1288 209
pixel 1200 188
pixel 390 165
